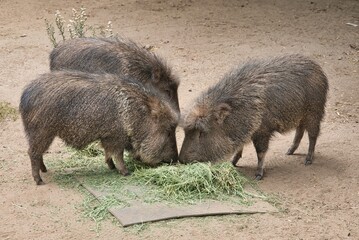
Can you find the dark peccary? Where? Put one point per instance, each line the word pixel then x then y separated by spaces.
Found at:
pixel 253 102
pixel 118 56
pixel 82 107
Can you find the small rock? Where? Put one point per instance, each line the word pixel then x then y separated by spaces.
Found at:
pixel 23 35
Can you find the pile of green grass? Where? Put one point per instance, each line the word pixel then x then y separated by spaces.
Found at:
pixel 173 184
pixel 195 182
pixel 7 111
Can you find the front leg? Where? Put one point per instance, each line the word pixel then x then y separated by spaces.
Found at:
pixel 117 152
pixel 109 161
pixel 121 167
pixel 237 156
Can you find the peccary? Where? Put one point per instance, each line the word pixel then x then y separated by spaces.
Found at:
pixel 82 107
pixel 118 56
pixel 253 102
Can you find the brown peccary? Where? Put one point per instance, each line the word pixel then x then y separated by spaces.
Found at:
pixel 118 56
pixel 80 108
pixel 253 102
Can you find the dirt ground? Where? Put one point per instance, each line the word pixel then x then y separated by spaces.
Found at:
pixel 201 40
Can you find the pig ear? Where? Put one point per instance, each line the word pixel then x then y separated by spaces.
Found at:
pixel 197 119
pixel 221 112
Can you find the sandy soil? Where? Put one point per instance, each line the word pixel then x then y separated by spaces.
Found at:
pixel 201 40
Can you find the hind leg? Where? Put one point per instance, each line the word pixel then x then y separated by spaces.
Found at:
pixel 313 133
pixel 297 138
pixel 35 168
pixel 261 143
pixel 38 145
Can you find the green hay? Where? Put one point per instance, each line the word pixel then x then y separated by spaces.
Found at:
pixel 173 184
pixel 195 182
pixel 7 111
pixel 98 210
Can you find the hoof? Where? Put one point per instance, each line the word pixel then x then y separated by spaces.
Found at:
pixel 289 152
pixel 125 173
pixel 40 182
pixel 258 177
pixel 308 162
pixel 234 162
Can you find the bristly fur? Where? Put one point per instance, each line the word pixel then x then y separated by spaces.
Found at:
pixel 81 107
pixel 251 103
pixel 118 56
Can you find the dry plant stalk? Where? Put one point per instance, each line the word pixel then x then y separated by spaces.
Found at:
pixel 76 27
